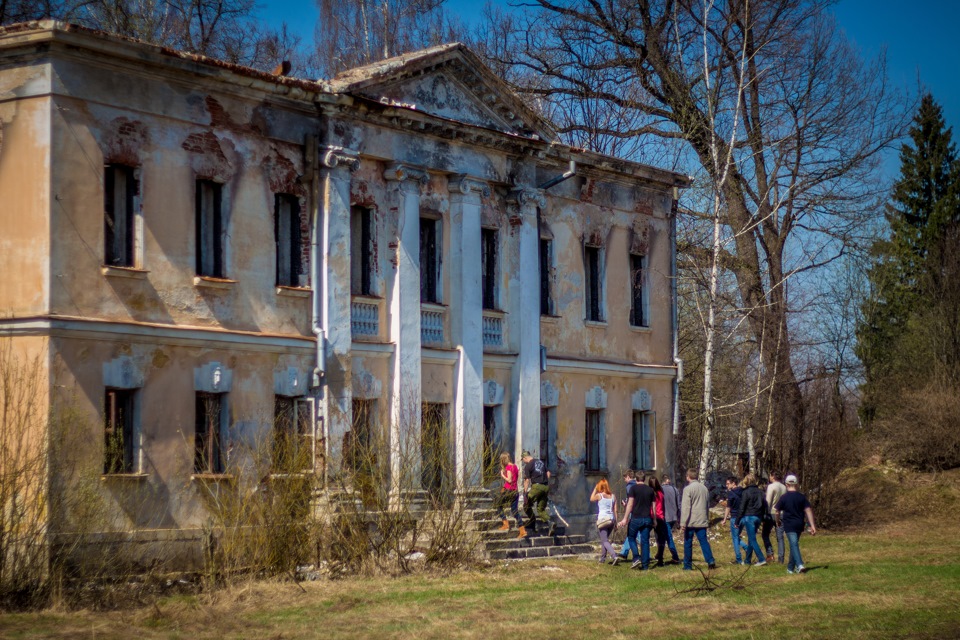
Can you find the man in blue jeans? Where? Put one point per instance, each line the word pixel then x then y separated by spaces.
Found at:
pixel 791 509
pixel 732 513
pixel 694 520
pixel 671 513
pixel 642 517
pixel 629 479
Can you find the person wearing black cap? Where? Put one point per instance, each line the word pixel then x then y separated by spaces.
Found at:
pixel 536 488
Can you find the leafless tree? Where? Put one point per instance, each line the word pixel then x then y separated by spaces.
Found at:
pixel 797 119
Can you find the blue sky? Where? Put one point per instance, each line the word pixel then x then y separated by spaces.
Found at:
pixel 921 37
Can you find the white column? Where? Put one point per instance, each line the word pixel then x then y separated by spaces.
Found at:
pixel 404 184
pixel 467 326
pixel 336 405
pixel 525 309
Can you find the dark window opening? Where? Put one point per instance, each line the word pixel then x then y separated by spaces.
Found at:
pixel 361 251
pixel 429 260
pixel 118 432
pixel 434 447
pixel 488 239
pixel 292 435
pixel 546 259
pixel 209 222
pixel 643 441
pixel 288 240
pixel 545 436
pixel 594 424
pixel 592 282
pixel 491 445
pixel 637 312
pixel 119 220
pixel 207 456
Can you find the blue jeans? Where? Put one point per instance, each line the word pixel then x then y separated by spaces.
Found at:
pixel 735 537
pixel 670 543
pixel 701 534
pixel 752 524
pixel 640 527
pixel 796 560
pixel 768 526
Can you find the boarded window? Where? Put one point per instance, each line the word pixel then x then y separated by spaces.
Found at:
pixel 638 315
pixel 594 426
pixel 207 456
pixel 592 281
pixel 209 223
pixel 119 219
pixel 546 260
pixel 362 254
pixel 643 440
pixel 429 260
pixel 287 231
pixel 293 441
pixel 119 431
pixel 488 239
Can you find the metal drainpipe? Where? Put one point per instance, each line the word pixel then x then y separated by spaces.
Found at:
pixel 313 153
pixel 674 320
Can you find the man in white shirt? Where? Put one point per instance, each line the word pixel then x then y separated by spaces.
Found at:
pixel 775 491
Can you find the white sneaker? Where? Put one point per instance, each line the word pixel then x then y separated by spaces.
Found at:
pixel 800 569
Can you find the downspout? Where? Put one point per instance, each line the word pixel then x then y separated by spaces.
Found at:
pixel 572 171
pixel 316 230
pixel 674 320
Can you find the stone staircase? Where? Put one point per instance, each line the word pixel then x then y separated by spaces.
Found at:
pixel 504 545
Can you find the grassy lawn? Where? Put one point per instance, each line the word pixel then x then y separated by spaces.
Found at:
pixel 901 581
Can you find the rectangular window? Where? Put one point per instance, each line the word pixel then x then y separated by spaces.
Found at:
pixel 643 441
pixel 594 426
pixel 429 260
pixel 638 316
pixel 491 444
pixel 361 251
pixel 293 441
pixel 360 450
pixel 545 420
pixel 434 447
pixel 207 456
pixel 546 260
pixel 119 217
pixel 209 223
pixel 592 283
pixel 287 236
pixel 119 450
pixel 488 239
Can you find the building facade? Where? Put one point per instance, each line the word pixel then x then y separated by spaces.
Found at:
pixel 205 255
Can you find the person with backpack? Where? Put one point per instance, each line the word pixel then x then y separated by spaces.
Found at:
pixel 536 488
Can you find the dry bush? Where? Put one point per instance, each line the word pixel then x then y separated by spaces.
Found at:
pixel 922 430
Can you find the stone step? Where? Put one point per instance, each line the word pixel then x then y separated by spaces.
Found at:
pixel 541 552
pixel 544 541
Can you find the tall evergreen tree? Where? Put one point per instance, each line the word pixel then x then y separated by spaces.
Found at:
pixel 910 318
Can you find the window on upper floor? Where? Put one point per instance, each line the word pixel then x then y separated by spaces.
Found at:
pixel 288 239
pixel 120 189
pixel 293 437
pixel 488 258
pixel 209 229
pixel 120 451
pixel 593 283
pixel 546 265
pixel 430 247
pixel 362 267
pixel 209 427
pixel 638 307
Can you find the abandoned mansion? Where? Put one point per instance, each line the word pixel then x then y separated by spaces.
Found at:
pixel 204 257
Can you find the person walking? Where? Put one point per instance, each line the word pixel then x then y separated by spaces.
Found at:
pixel 509 494
pixel 775 491
pixel 671 515
pixel 606 519
pixel 732 513
pixel 629 479
pixel 641 515
pixel 536 488
pixel 752 510
pixel 660 523
pixel 694 520
pixel 791 509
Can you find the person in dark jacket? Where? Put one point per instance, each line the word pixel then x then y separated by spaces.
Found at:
pixel 752 509
pixel 671 514
pixel 732 513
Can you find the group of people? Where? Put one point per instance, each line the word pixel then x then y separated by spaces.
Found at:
pixel 659 508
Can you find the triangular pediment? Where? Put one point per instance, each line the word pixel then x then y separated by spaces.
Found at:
pixel 447 81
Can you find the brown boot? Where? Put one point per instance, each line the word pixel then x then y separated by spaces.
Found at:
pixel 522 533
pixel 505 527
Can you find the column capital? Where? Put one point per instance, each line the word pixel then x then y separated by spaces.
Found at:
pixel 334 157
pixel 526 196
pixel 403 172
pixel 463 184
